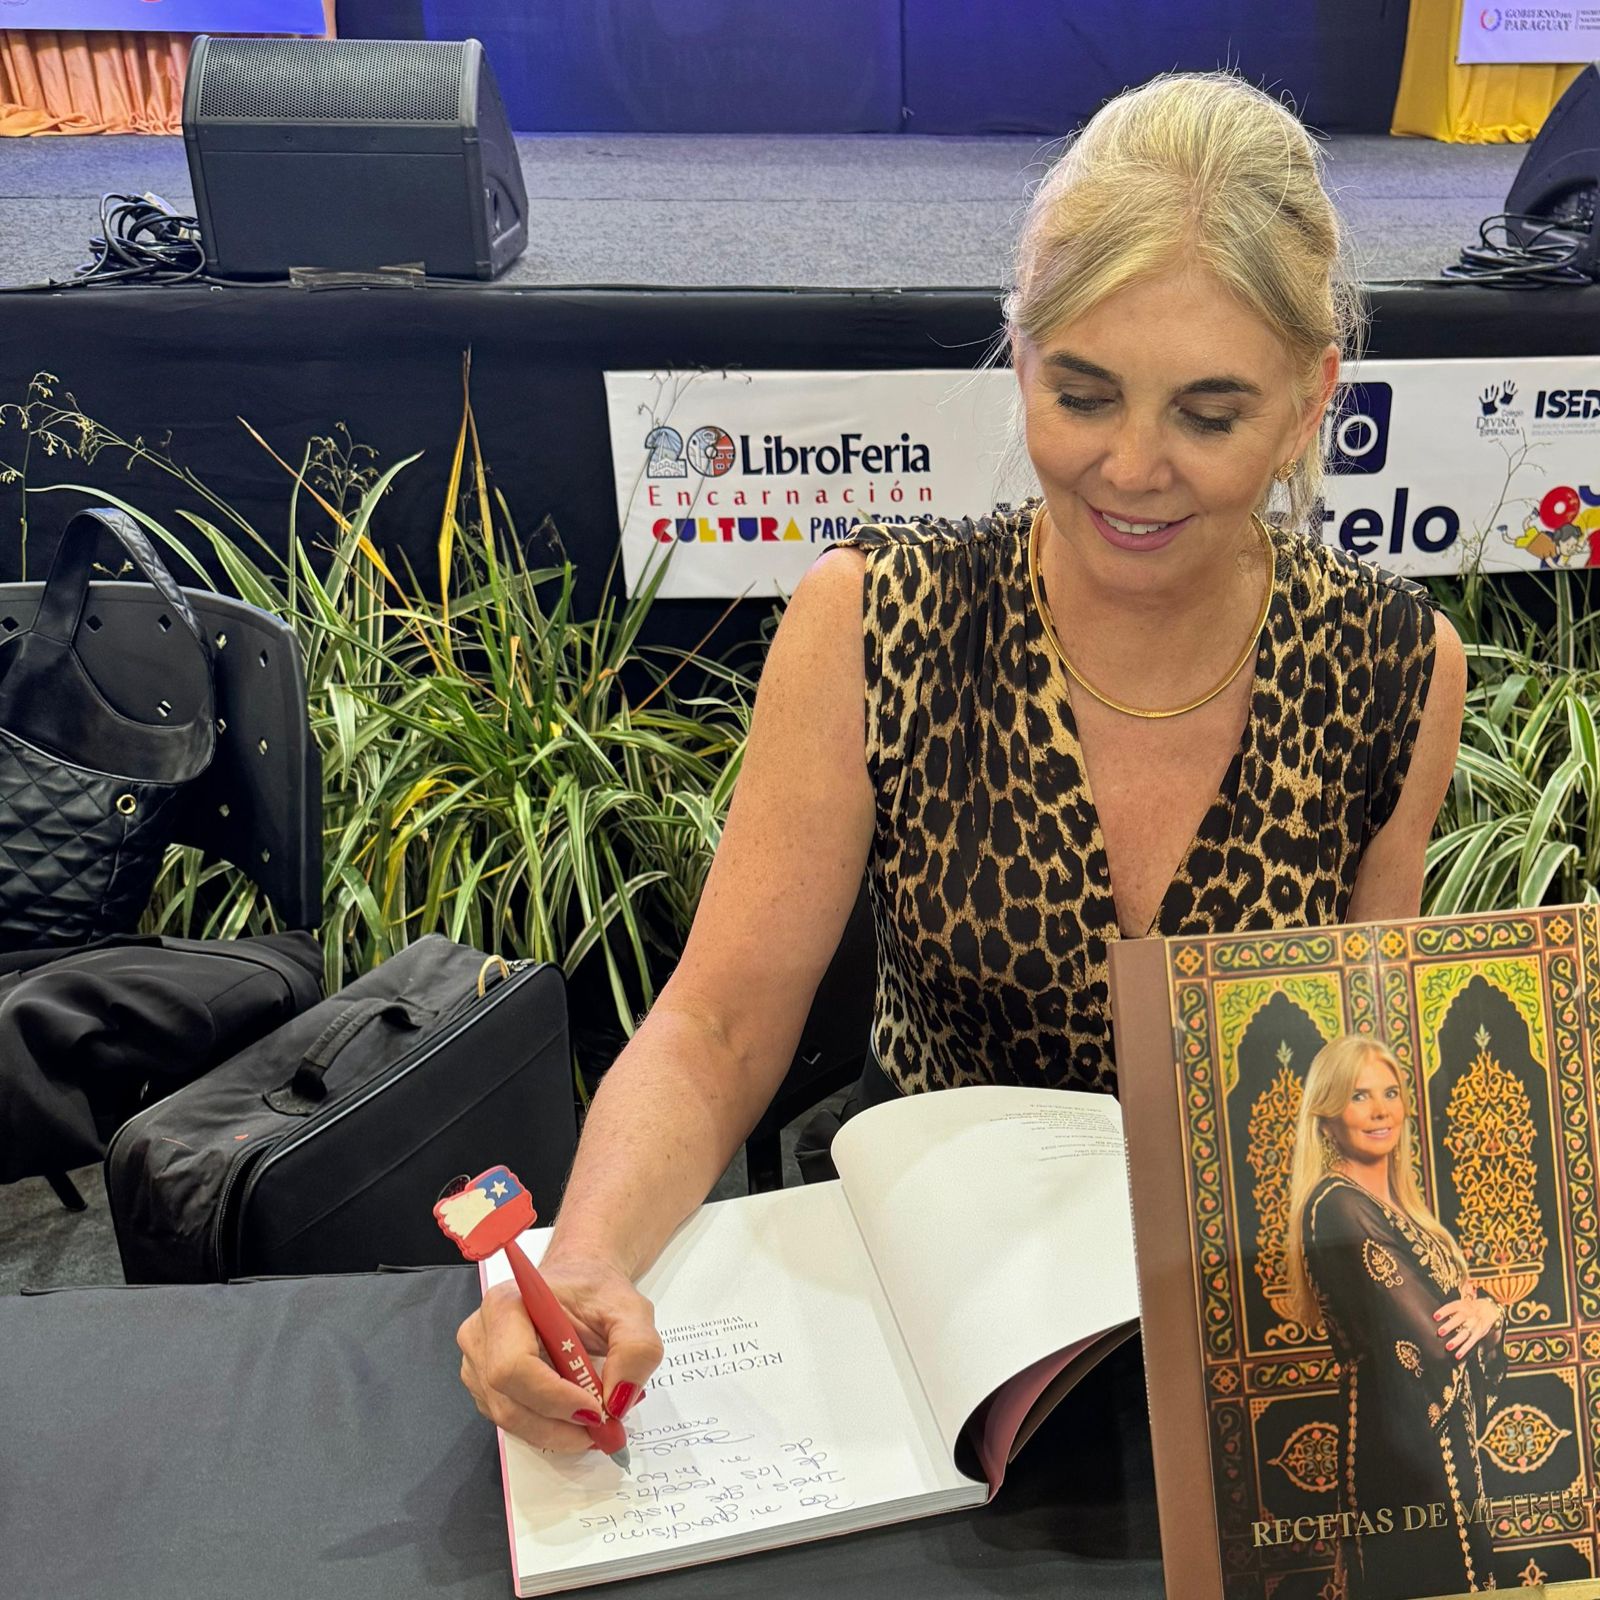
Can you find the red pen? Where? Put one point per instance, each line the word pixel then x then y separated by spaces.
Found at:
pixel 486 1214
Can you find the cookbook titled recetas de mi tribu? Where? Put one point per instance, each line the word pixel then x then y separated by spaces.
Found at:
pixel 1353 1150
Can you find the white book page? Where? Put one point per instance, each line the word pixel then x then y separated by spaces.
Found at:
pixel 999 1222
pixel 784 1396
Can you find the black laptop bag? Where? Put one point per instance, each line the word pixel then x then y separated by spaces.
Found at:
pixel 323 1147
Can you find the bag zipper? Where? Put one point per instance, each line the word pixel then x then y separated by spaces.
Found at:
pixel 472 997
pixel 229 1183
pixel 246 1157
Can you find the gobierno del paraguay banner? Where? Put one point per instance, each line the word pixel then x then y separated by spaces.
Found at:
pixel 738 480
pixel 1562 32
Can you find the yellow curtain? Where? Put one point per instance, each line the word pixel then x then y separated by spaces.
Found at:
pixel 63 82
pixel 1468 105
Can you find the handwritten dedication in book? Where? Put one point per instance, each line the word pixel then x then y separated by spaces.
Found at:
pixel 837 1355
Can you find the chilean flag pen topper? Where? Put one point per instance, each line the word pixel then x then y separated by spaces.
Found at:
pixel 486 1215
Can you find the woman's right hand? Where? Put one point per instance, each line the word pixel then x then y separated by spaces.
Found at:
pixel 515 1387
pixel 1466 1320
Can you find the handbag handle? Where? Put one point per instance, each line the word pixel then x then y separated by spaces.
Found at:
pixel 66 587
pixel 308 1087
pixel 48 697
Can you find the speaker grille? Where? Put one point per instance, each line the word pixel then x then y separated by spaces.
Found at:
pixel 331 80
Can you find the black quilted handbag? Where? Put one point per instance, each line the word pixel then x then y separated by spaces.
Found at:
pixel 88 796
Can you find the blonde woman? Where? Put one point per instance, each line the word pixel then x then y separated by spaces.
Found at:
pixel 1129 706
pixel 1419 1348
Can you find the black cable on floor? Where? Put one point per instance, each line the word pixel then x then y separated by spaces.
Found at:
pixel 142 239
pixel 1545 257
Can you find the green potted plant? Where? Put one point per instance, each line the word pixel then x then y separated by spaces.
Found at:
pixel 495 768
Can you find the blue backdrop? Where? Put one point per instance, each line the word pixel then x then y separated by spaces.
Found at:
pixel 888 66
pixel 1043 66
pixel 168 16
pixel 670 66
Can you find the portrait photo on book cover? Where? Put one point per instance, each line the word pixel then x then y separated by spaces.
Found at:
pixel 1390 1170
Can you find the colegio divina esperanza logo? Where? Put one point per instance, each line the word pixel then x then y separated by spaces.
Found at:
pixel 1499 415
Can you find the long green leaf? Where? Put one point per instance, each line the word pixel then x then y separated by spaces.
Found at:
pixel 1552 802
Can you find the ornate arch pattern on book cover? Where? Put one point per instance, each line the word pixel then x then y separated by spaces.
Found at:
pixel 1494 1023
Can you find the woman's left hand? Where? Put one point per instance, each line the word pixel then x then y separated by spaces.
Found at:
pixel 1462 1323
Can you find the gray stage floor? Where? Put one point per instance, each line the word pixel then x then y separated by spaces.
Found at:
pixel 827 212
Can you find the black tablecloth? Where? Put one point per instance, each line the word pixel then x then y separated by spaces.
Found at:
pixel 307 1439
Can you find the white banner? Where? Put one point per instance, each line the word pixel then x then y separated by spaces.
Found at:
pixel 1523 34
pixel 741 478
pixel 737 480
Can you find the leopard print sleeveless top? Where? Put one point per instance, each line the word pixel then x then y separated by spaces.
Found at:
pixel 988 877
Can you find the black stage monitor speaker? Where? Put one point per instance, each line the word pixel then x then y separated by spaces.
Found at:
pixel 351 154
pixel 1559 179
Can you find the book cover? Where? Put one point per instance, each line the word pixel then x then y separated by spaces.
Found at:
pixel 1349 1456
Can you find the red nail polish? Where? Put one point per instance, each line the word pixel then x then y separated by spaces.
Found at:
pixel 589 1419
pixel 622 1397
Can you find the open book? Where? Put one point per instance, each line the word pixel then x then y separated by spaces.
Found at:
pixel 852 1353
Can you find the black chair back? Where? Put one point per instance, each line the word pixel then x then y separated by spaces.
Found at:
pixel 259 805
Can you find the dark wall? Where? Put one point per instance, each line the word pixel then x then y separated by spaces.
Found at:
pixel 883 66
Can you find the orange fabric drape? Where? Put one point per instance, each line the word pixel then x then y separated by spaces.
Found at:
pixel 65 82
pixel 91 82
pixel 1468 105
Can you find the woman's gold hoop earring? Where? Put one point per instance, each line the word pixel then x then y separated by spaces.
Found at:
pixel 1284 473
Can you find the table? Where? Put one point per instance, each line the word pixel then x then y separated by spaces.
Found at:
pixel 309 1438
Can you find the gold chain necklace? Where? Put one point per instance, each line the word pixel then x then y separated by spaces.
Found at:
pixel 1078 678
